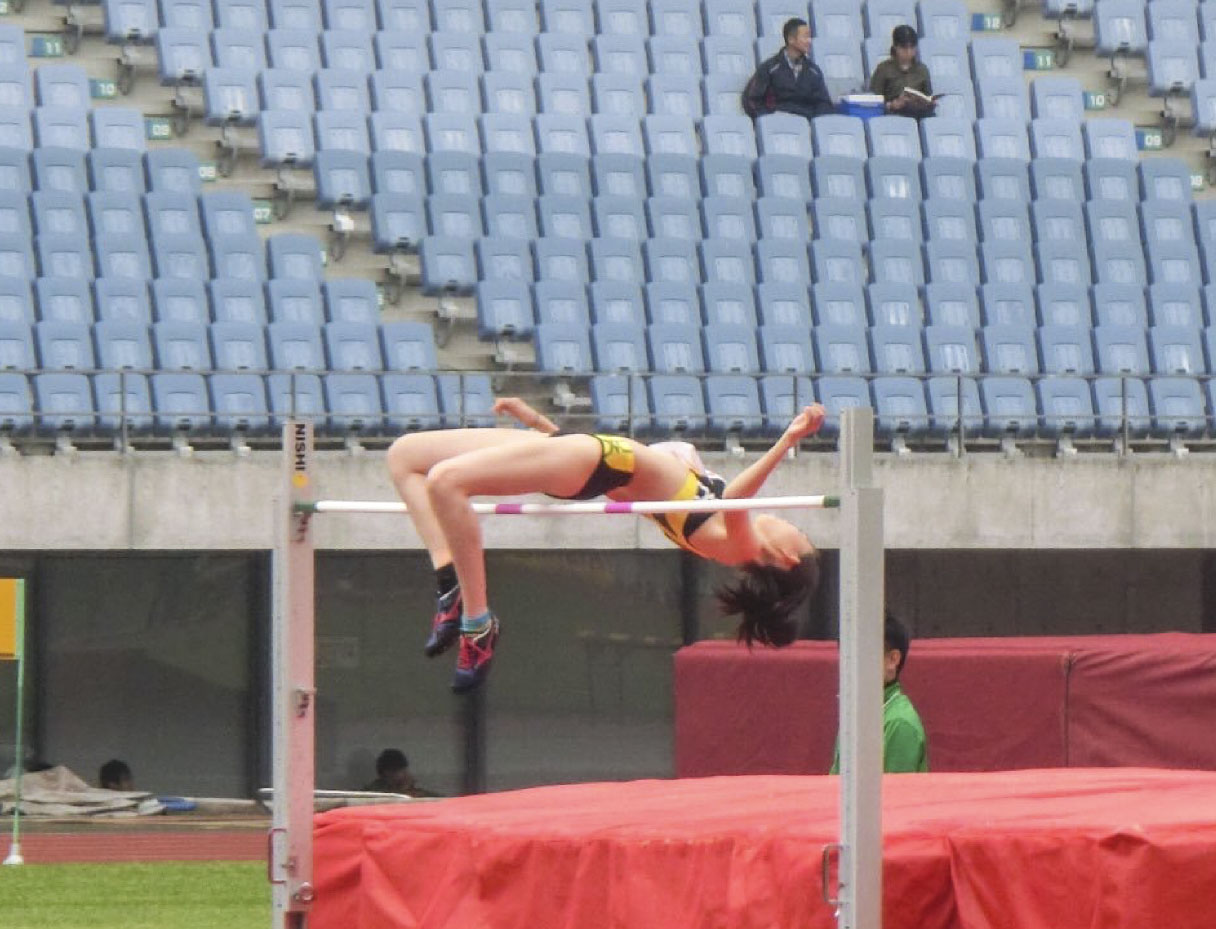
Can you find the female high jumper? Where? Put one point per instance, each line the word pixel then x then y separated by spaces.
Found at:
pixel 436 474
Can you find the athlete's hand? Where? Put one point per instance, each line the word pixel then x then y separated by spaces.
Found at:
pixel 514 407
pixel 808 422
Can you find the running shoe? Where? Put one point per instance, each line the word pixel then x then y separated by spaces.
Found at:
pixel 445 628
pixel 476 653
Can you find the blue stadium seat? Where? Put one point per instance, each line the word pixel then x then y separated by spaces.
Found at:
pixel 294 49
pixel 778 218
pixel 465 400
pixel 730 348
pixel 1057 98
pixel 900 407
pixel 398 222
pixel 353 402
pixel 238 256
pixel 882 16
pixel 1006 262
pixel 1066 350
pixel 1003 98
pixel 57 213
pixel 408 346
pixel 510 216
pixel 407 15
pixel 295 14
pixel 889 305
pixel 180 300
pixel 295 346
pixel 612 52
pixel 1067 407
pixel 342 89
pixel 285 89
pixel 1121 350
pixel 784 134
pixel 453 90
pixel 944 19
pixel 672 303
pixel 786 176
pixel 841 350
pixel 121 299
pixel 237 301
pixel 667 135
pixel 841 63
pixel 238 346
pixel 410 402
pixel 347 131
pixel 453 173
pixel 948 219
pixel 286 138
pixel 234 47
pixel 785 261
pixel 733 404
pixel 1117 398
pixel 562 349
pixel 619 348
pixel 504 259
pixel 454 215
pixel 1173 68
pixel 64 255
pixel 1203 95
pixel 293 395
pixel 1010 407
pixel 64 299
pixel 728 304
pixel 238 402
pixel 180 403
pixel 570 16
pixel 116 170
pixel 1066 304
pixel 945 178
pixel 896 262
pixel 838 394
pixel 562 92
pixel 1111 179
pixel 55 126
pixel 733 262
pixel 1056 138
pixel 890 176
pixel 617 302
pixel 349 14
pixel 613 93
pixel 294 301
pixel 895 219
pixel 678 93
pixel 1112 221
pixel 1001 138
pixel 783 397
pixel 676 175
pixel 408 50
pixel 181 346
pixel 114 410
pixel 184 53
pixel 1118 305
pixel 1176 350
pixel 562 302
pixel 678 403
pixel 558 133
pixel 16 256
pixel 16 304
pixel 295 256
pixel 728 135
pixel 951 304
pixel 1055 179
pixel 512 93
pixel 1175 304
pixel 350 300
pixel 458 16
pixel 619 216
pixel 564 173
pixel 617 260
pixel 1173 20
pixel 831 260
pixel 1003 178
pixel 951 350
pixel 15 170
pixel 675 349
pixel 180 256
pixel 342 180
pixel 621 404
pixel 1178 406
pixel 897 349
pixel 509 173
pixel 943 137
pixel 1110 138
pixel 784 304
pixel 447 265
pixel 15 128
pixel 170 169
pixel 721 175
pixel 1173 262
pixel 837 136
pixel 130 21
pixel 57 85
pixel 995 57
pixel 840 219
pixel 64 402
pixel 16 346
pixel 1063 263
pixel 670 260
pixel 351 50
pixel 894 137
pixel 560 258
pixel 398 90
pixel 1057 220
pixel 1165 179
pixel 564 216
pixel 15 212
pixel 944 395
pixel 356 347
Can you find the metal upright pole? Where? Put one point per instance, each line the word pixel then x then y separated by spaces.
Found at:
pixel 861 684
pixel 294 702
pixel 14 850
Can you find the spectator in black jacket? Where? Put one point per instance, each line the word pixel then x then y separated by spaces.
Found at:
pixel 789 81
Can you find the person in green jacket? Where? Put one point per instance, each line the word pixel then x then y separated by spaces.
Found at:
pixel 904 749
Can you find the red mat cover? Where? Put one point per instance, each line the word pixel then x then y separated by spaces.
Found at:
pixel 1058 849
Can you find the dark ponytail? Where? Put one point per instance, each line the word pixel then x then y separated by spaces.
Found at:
pixel 765 599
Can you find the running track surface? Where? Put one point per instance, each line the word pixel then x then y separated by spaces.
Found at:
pixel 115 846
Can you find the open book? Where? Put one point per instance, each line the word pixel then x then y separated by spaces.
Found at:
pixel 917 97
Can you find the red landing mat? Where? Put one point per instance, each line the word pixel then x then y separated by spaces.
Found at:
pixel 1061 849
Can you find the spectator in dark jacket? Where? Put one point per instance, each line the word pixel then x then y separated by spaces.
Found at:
pixel 789 81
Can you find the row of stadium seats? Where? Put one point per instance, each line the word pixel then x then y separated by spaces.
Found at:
pixel 140 20
pixel 115 170
pixel 194 404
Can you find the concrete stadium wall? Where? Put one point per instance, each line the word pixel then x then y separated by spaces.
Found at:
pixel 214 501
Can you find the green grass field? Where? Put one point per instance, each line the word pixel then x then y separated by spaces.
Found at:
pixel 210 895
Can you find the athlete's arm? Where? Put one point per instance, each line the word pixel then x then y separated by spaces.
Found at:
pixel 517 409
pixel 752 478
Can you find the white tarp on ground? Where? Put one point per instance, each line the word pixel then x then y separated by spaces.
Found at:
pixel 59 792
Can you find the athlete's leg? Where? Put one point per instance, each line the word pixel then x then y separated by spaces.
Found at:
pixel 410 459
pixel 558 466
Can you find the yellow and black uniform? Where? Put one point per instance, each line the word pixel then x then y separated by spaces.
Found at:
pixel 614 469
pixel 679 527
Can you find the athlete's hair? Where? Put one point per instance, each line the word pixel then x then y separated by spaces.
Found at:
pixel 765 599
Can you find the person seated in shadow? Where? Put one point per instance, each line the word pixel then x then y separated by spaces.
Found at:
pixel 115 775
pixel 901 73
pixel 393 776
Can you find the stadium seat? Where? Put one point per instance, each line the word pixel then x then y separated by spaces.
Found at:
pixel 675 349
pixel 783 397
pixel 509 173
pixel 838 394
pixel 170 169
pixel 890 304
pixel 618 301
pixel 891 176
pixel 398 222
pixel 64 299
pixel 16 305
pixel 294 301
pixel 671 175
pixel 619 348
pixel 184 54
pixel 447 265
pixel 1057 98
pixel 946 410
pixel 239 301
pixel 410 402
pixel 286 138
pixel 619 216
pixel 238 346
pixel 562 302
pixel 672 303
pixel 1110 138
pixel 730 348
pixel 465 400
pixel 678 403
pixel 1065 304
pixel 562 349
pixel 1066 350
pixel 1063 263
pixel 350 300
pixel 841 350
pixel 1178 406
pixel 342 180
pixel 617 260
pixel 116 170
pixel 455 215
pixel 561 259
pixel 1121 350
pixel 947 219
pixel 947 138
pixel 1111 179
pixel 356 347
pixel 1119 305
pixel 721 175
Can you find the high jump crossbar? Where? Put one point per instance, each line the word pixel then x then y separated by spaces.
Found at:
pixel 858 896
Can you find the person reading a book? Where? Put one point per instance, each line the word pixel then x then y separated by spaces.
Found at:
pixel 903 79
